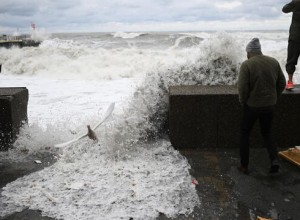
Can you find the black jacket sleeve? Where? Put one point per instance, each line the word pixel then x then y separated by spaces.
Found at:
pixel 293 6
pixel 288 7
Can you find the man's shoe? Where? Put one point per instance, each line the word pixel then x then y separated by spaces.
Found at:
pixel 243 169
pixel 274 166
pixel 289 85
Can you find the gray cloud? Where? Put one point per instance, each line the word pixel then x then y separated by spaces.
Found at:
pixel 13 7
pixel 59 15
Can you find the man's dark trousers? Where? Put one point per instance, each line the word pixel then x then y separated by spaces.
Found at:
pixel 293 56
pixel 265 117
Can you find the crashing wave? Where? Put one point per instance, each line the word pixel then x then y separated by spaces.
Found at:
pixel 127 176
pixel 147 113
pixel 125 35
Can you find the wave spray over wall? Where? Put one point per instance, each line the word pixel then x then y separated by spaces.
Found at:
pixel 134 172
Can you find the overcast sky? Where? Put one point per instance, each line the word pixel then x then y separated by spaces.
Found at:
pixel 142 15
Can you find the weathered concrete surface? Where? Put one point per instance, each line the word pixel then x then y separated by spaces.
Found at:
pixel 225 193
pixel 28 215
pixel 12 170
pixel 202 116
pixel 13 113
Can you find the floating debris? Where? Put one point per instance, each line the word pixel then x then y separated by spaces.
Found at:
pixel 261 218
pixel 195 182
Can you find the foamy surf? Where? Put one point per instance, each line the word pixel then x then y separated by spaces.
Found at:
pixel 152 180
pixel 134 172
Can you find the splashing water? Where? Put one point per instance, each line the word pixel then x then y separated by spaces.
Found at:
pixel 133 173
pixel 151 180
pixel 146 115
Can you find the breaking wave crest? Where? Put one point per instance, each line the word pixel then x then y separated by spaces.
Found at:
pixel 132 173
pixel 127 35
pixel 146 115
pixel 68 59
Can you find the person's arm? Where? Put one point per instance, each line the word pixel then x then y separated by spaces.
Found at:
pixel 281 82
pixel 243 84
pixel 288 7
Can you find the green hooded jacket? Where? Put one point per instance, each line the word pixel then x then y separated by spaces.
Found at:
pixel 294 6
pixel 260 81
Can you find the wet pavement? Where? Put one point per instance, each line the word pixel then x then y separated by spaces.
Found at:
pixel 225 193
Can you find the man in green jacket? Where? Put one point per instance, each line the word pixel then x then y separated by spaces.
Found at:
pixel 294 40
pixel 260 83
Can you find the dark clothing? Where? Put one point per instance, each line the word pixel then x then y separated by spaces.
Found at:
pixel 294 6
pixel 294 37
pixel 293 56
pixel 265 117
pixel 260 81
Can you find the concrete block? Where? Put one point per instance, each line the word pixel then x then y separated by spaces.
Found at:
pixel 13 113
pixel 210 116
pixel 287 119
pixel 192 116
pixel 187 130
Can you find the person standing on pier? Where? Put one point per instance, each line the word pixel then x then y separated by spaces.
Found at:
pixel 294 41
pixel 260 83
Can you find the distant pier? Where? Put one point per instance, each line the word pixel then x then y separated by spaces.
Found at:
pixel 18 41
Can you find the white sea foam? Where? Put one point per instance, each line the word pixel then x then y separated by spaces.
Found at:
pixel 127 35
pixel 187 41
pixel 103 57
pixel 152 180
pixel 132 173
pixel 69 60
pixel 40 34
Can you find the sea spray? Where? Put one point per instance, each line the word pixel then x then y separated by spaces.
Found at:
pixel 98 56
pixel 151 180
pixel 125 176
pixel 146 115
pixel 127 35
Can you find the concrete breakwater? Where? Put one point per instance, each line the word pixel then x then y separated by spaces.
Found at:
pixel 19 43
pixel 209 117
pixel 199 117
pixel 23 40
pixel 13 114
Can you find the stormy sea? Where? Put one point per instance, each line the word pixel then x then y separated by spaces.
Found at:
pixel 132 172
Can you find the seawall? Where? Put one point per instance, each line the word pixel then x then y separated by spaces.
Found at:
pixel 19 43
pixel 13 114
pixel 209 117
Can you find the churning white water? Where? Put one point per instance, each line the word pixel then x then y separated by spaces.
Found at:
pixel 133 172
